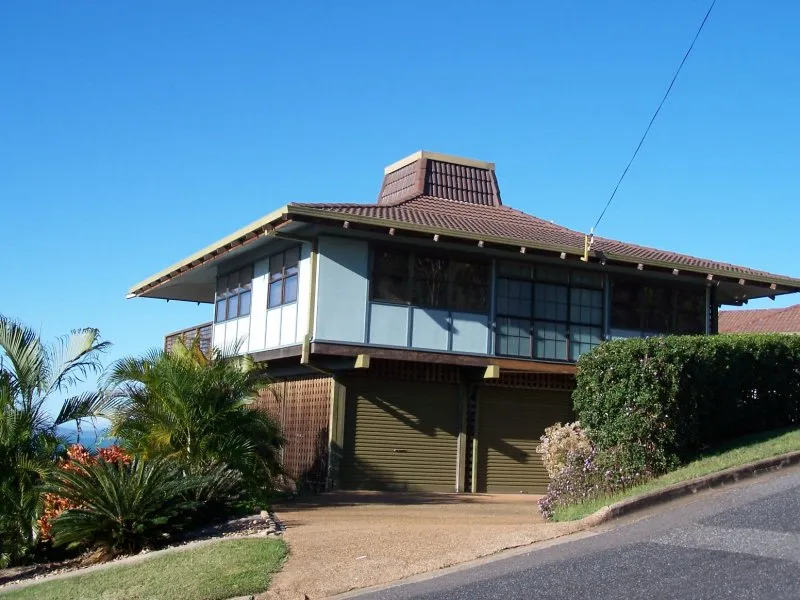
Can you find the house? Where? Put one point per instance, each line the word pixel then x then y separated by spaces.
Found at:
pixel 424 341
pixel 766 320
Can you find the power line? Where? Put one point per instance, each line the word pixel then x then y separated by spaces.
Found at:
pixel 655 114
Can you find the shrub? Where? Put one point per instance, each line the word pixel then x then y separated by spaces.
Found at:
pixel 558 442
pixel 585 473
pixel 660 401
pixel 117 507
pixel 77 454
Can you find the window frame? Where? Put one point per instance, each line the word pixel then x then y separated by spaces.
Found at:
pixel 243 287
pixel 674 307
pixel 445 298
pixel 566 325
pixel 281 276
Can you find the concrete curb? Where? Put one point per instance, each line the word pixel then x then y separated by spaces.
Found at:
pixel 687 488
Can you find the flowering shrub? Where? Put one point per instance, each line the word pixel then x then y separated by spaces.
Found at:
pixel 77 454
pixel 560 440
pixel 584 472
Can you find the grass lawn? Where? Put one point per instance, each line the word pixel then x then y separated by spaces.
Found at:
pixel 213 571
pixel 739 452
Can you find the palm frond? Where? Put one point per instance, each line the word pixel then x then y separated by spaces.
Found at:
pixel 86 406
pixel 72 357
pixel 24 350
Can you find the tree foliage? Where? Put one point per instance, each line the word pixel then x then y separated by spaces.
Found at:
pixel 196 409
pixel 30 374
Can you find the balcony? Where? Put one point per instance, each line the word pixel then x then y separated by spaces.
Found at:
pixel 203 332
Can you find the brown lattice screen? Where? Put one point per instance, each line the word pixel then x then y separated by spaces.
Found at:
pixel 301 405
pixel 542 381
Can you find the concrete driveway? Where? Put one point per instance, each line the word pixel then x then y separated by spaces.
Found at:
pixel 343 541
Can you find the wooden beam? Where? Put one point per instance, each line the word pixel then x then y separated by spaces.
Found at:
pixel 492 372
pixel 505 364
pixel 362 361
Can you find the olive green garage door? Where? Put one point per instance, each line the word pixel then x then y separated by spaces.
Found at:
pixel 509 424
pixel 400 435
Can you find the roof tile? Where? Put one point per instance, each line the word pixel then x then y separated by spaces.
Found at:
pixel 768 320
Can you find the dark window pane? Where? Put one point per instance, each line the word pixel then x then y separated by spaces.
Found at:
pixel 586 306
pixel 430 282
pixel 514 297
pixel 583 339
pixel 246 278
pixel 515 270
pixel 390 276
pixel 233 307
pixel 550 302
pixel 244 303
pixel 552 274
pixel 290 289
pixel 221 308
pixel 587 279
pixel 222 285
pixel 275 294
pixel 551 341
pixel 469 288
pixel 291 257
pixel 276 267
pixel 513 337
pixel 625 306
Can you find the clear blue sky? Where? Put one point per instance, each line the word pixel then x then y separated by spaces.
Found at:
pixel 133 133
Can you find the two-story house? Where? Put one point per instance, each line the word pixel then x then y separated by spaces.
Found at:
pixel 426 340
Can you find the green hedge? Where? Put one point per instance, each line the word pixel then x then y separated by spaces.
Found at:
pixel 662 400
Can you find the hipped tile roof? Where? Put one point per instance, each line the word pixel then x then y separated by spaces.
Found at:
pixel 463 198
pixel 768 320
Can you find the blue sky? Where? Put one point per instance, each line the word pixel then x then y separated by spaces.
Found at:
pixel 132 134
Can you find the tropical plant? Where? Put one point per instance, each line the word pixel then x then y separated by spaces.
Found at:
pixel 31 373
pixel 198 410
pixel 118 507
pixel 77 454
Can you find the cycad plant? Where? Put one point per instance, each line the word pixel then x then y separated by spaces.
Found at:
pixel 198 410
pixel 31 373
pixel 121 507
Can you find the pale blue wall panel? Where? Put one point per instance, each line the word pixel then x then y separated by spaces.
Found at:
pixel 342 286
pixel 470 333
pixel 388 325
pixel 430 329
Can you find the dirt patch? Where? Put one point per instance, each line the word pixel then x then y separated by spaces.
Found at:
pixel 343 541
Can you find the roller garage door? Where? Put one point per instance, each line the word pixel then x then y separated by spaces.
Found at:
pixel 400 435
pixel 509 424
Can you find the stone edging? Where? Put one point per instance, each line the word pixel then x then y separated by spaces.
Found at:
pixel 692 486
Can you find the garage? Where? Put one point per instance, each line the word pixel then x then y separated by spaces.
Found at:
pixel 400 435
pixel 508 426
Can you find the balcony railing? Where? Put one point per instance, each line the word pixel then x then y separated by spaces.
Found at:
pixel 203 332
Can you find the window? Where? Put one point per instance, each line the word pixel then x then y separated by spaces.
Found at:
pixel 655 308
pixel 429 280
pixel 390 276
pixel 234 293
pixel 548 312
pixel 283 278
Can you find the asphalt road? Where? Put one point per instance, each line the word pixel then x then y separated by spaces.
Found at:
pixel 740 542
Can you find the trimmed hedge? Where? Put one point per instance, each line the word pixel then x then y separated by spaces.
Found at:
pixel 660 401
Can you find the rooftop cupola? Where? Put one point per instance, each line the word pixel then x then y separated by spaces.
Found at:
pixel 440 176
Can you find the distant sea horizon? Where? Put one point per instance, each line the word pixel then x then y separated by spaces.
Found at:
pixel 91 437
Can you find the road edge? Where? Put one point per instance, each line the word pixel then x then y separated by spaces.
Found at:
pixel 689 487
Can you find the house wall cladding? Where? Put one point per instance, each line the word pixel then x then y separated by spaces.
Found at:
pixel 301 405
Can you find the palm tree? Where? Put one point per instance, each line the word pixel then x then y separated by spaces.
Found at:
pixel 197 409
pixel 31 373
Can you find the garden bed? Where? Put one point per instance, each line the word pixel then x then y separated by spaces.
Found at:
pixel 263 524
